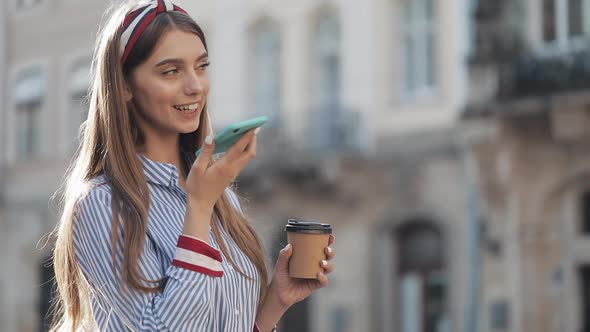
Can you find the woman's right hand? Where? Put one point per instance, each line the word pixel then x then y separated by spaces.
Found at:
pixel 207 181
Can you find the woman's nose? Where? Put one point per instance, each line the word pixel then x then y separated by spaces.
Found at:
pixel 193 84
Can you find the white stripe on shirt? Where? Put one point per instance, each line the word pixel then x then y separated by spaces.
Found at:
pixel 195 258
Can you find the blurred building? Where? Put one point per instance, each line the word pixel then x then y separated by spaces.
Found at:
pixel 3 51
pixel 3 35
pixel 528 128
pixel 45 60
pixel 364 99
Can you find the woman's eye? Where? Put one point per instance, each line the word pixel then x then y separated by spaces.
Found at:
pixel 204 66
pixel 170 72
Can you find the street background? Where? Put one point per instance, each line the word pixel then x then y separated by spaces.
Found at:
pixel 446 140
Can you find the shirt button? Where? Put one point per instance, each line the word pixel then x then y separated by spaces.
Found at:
pixel 237 312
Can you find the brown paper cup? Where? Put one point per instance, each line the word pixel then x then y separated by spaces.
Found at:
pixel 308 239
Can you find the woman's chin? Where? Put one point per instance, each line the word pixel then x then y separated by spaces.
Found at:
pixel 189 129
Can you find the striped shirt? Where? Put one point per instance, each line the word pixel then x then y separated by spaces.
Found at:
pixel 202 292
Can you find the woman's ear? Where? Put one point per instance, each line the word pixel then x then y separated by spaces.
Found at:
pixel 127 94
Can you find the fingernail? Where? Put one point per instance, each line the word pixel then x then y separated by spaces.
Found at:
pixel 208 139
pixel 287 246
pixel 256 131
pixel 329 250
pixel 324 263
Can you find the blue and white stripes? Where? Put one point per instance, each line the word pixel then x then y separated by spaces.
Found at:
pixel 190 301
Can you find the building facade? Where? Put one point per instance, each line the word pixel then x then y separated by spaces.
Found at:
pixel 526 125
pixel 364 99
pixel 45 72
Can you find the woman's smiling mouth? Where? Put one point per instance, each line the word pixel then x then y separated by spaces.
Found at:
pixel 189 108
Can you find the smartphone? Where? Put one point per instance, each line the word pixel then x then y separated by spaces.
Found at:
pixel 226 138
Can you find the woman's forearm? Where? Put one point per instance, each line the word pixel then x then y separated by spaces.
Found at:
pixel 197 220
pixel 271 312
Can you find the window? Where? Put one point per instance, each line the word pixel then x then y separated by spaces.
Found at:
pixel 29 93
pixel 585 296
pixel 422 277
pixel 549 21
pixel 419 47
pixel 411 305
pixel 79 83
pixel 340 319
pixel 575 18
pixel 564 21
pixel 499 315
pixel 327 57
pixel 46 293
pixel 267 68
pixel 472 28
pixel 26 4
pixel 325 85
pixel 585 213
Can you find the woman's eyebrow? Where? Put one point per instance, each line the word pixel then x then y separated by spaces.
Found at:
pixel 179 61
pixel 169 61
pixel 202 56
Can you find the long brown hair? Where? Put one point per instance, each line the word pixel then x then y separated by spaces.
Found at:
pixel 107 147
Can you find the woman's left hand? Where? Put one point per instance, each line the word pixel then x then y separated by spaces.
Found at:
pixel 292 290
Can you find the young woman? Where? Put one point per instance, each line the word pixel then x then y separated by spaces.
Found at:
pixel 151 239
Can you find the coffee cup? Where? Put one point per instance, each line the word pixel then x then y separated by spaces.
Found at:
pixel 309 240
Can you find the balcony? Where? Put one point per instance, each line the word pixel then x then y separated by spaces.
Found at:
pixel 508 78
pixel 334 130
pixel 310 163
pixel 530 84
pixel 551 75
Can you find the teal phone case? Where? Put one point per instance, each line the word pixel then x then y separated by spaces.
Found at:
pixel 226 138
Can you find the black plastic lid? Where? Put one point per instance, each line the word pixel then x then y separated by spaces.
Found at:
pixel 310 227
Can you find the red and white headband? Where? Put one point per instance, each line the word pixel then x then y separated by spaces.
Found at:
pixel 139 18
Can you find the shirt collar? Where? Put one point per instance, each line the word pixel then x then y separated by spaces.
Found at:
pixel 159 173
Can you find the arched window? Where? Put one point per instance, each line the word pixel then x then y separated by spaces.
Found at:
pixel 266 63
pixel 47 279
pixel 327 57
pixel 29 93
pixel 564 21
pixel 584 275
pixel 585 213
pixel 419 45
pixel 79 83
pixel 325 82
pixel 27 4
pixel 422 278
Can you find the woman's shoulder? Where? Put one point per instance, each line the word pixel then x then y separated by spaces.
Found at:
pixel 99 186
pixel 98 181
pixel 95 194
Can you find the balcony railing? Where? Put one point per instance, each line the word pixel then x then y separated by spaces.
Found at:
pixel 334 129
pixel 550 75
pixel 306 161
pixel 525 83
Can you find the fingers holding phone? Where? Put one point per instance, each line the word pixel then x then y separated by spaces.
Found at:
pixel 251 148
pixel 239 155
pixel 245 149
pixel 229 136
pixel 203 159
pixel 206 182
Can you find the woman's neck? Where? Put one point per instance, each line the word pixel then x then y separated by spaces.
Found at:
pixel 163 150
